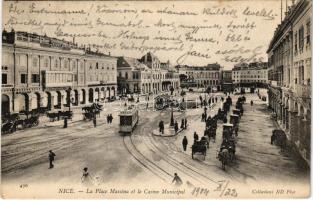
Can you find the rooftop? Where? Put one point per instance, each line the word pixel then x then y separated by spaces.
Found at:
pixel 46 41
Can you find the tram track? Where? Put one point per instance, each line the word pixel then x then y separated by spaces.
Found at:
pixel 144 161
pixel 184 168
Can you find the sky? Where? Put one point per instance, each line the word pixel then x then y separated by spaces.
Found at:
pixel 139 26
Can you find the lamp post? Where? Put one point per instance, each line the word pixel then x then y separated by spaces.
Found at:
pixel 69 99
pixel 172 114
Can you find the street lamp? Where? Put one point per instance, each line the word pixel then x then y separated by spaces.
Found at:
pixel 172 114
pixel 69 99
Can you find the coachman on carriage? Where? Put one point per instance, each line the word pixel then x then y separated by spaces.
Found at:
pixel 234 120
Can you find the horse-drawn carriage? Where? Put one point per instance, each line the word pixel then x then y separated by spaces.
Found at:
pixel 18 120
pixel 228 131
pixel 162 101
pixel 234 120
pixel 199 147
pixel 89 112
pixel 279 138
pixel 59 115
pixel 129 118
pixel 210 132
pixel 226 153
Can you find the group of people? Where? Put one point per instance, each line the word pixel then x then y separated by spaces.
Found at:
pixel 207 102
pixel 109 118
pixel 182 126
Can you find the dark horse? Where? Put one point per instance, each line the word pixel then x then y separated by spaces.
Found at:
pixel 279 138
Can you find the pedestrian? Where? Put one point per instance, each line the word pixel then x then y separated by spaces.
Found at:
pixel 176 127
pixel 185 143
pixel 111 118
pixel 94 121
pixel 108 118
pixel 251 102
pixel 51 158
pixel 195 136
pixel 182 123
pixel 65 122
pixel 185 123
pixel 147 106
pixel 177 180
pixel 86 178
pixel 161 127
pixel 203 117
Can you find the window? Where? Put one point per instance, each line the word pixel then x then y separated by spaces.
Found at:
pixel 308 27
pixel 66 64
pixel 35 62
pixel 296 45
pixel 23 78
pixel 4 78
pixel 119 74
pixel 75 77
pixel 73 65
pixel 35 78
pixel 97 66
pixel 301 38
pixel 302 74
pixel 46 63
pixel 126 75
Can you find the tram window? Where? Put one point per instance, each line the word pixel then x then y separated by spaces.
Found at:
pixel 125 120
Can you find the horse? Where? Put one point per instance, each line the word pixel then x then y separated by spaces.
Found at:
pixel 224 156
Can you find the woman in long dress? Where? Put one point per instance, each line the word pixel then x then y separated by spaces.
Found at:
pixel 86 178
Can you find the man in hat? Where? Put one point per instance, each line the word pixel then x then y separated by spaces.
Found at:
pixel 51 158
pixel 185 143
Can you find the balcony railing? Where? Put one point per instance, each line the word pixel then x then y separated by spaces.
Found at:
pixel 303 91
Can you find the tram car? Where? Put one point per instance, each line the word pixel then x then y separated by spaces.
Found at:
pixel 129 118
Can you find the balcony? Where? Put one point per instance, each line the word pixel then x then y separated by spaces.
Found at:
pixel 303 91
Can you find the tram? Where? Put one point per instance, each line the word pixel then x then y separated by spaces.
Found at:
pixel 129 118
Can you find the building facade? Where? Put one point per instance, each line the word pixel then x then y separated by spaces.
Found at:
pixel 145 75
pixel 290 58
pixel 252 74
pixel 203 76
pixel 42 72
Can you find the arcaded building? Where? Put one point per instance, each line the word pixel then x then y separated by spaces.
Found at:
pixel 40 72
pixel 290 61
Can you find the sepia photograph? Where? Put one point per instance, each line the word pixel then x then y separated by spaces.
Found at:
pixel 204 99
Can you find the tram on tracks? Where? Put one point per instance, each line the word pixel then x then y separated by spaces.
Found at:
pixel 129 118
